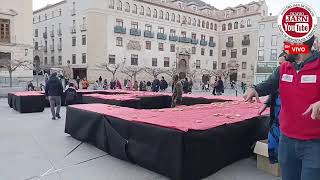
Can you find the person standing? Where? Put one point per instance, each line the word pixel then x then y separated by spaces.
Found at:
pixel 54 90
pixel 299 87
pixel 96 85
pixel 135 86
pixel 177 92
pixel 85 83
pixel 220 86
pixel 185 85
pixel 190 86
pixel 155 85
pixel 78 81
pixel 215 84
pixel 105 84
pixel 163 84
pixel 70 95
pixel 100 80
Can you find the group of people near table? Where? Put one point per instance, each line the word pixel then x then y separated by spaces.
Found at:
pixel 294 98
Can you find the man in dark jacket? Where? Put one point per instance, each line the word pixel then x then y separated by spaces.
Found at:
pixel 156 85
pixel 163 84
pixel 54 90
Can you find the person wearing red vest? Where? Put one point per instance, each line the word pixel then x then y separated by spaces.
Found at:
pixel 299 87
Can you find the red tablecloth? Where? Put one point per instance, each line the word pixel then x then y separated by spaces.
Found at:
pixel 28 93
pixel 184 118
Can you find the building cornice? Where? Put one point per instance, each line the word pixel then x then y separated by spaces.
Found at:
pixel 49 6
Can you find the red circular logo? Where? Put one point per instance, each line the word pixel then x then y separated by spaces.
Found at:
pixel 297 22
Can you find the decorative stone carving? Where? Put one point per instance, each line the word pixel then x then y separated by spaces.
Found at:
pixel 134 45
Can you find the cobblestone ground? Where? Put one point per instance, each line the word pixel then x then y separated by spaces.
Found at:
pixel 34 147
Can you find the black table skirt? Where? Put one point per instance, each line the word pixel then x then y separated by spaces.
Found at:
pixel 178 155
pixel 27 104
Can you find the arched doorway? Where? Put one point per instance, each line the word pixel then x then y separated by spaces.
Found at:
pixel 182 68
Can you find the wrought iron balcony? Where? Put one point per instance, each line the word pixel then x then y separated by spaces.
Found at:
pixel 184 40
pixel 120 30
pixel 162 36
pixel 148 34
pixel 73 12
pixel 51 47
pixel 73 30
pixel 203 42
pixel 212 44
pixel 246 42
pixel 194 41
pixel 173 38
pixel 135 32
pixel 229 44
pixel 59 31
pixel 59 46
pixel 45 35
pixel 83 27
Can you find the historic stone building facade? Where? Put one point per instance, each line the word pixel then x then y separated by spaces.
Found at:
pixel 191 38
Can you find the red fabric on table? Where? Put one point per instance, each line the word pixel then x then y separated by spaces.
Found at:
pixel 28 93
pixel 184 118
pixel 119 97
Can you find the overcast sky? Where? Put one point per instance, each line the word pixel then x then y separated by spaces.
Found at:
pixel 274 5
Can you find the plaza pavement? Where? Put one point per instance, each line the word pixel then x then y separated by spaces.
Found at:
pixel 33 147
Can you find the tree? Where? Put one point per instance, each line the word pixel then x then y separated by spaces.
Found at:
pixel 155 72
pixel 210 72
pixel 112 68
pixel 132 71
pixel 192 73
pixel 171 71
pixel 12 65
pixel 224 74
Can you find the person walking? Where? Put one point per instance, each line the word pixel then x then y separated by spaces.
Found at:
pixel 215 84
pixel 54 91
pixel 105 84
pixel 163 84
pixel 177 92
pixel 190 86
pixel 299 87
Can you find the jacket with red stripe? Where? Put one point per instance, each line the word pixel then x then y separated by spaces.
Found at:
pixel 299 88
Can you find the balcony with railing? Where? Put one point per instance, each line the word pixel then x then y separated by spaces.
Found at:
pixel 173 38
pixel 161 36
pixel 73 30
pixel 203 42
pixel 229 44
pixel 194 41
pixel 135 32
pixel 51 47
pixel 184 40
pixel 59 32
pixel 59 46
pixel 73 12
pixel 45 35
pixel 212 44
pixel 51 33
pixel 45 49
pixel 246 42
pixel 148 34
pixel 83 27
pixel 120 29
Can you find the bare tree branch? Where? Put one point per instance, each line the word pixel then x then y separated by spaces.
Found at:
pixel 112 68
pixel 192 73
pixel 132 71
pixel 155 72
pixel 171 71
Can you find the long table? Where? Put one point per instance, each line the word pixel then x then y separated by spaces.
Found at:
pixel 185 143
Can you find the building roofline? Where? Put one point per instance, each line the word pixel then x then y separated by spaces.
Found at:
pixel 49 6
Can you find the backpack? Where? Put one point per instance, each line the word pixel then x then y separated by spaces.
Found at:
pixel 71 95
